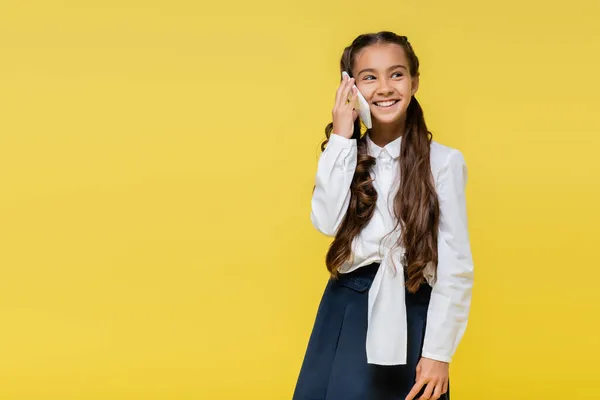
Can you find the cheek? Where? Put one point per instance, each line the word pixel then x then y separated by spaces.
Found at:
pixel 404 88
pixel 366 90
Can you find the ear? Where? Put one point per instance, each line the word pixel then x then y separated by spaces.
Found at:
pixel 415 85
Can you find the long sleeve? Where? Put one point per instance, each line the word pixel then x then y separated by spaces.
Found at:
pixel 331 195
pixel 451 295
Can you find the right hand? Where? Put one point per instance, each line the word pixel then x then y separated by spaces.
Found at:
pixel 344 113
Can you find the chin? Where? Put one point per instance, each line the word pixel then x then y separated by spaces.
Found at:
pixel 389 119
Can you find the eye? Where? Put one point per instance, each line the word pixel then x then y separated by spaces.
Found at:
pixel 398 73
pixel 368 76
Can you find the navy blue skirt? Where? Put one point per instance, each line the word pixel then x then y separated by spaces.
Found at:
pixel 335 364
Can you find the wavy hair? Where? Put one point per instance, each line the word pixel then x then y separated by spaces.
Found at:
pixel 416 204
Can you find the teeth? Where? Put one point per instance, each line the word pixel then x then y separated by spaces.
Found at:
pixel 386 103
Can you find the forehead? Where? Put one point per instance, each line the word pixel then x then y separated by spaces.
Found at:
pixel 380 57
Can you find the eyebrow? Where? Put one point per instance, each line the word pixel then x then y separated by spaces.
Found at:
pixel 373 70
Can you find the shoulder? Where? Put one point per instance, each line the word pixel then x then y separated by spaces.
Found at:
pixel 443 158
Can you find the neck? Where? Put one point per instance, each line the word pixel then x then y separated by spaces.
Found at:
pixel 382 134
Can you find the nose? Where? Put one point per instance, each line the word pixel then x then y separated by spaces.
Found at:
pixel 384 88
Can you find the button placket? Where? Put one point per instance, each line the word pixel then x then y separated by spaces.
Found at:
pixel 385 173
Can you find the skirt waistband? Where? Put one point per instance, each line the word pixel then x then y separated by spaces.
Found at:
pixel 361 279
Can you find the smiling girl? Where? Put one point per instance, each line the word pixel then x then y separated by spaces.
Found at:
pixel 397 303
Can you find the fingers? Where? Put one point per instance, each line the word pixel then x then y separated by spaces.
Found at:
pixel 341 96
pixel 340 90
pixel 428 391
pixel 415 389
pixel 349 87
pixel 433 391
pixel 437 393
pixel 354 96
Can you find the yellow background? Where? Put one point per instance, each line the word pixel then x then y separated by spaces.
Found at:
pixel 156 166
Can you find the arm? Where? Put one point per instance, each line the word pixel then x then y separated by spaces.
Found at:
pixel 331 195
pixel 451 295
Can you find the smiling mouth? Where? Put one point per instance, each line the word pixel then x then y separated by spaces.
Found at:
pixel 386 104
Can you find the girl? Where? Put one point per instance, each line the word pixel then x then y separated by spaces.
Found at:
pixel 397 303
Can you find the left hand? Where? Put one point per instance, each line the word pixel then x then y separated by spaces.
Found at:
pixel 434 374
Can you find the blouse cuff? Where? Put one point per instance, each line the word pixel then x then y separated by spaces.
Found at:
pixel 345 149
pixel 437 357
pixel 341 140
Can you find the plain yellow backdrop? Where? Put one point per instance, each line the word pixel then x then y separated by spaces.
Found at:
pixel 156 166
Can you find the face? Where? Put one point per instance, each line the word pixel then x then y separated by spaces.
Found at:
pixel 382 76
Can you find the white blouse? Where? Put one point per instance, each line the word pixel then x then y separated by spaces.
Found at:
pixel 452 284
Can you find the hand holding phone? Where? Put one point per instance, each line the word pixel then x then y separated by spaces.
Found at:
pixel 344 112
pixel 362 106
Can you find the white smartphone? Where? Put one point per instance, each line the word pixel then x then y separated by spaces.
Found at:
pixel 364 112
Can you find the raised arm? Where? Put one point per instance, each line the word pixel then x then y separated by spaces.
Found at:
pixel 331 195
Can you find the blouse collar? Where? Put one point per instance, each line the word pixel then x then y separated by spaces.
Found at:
pixel 392 148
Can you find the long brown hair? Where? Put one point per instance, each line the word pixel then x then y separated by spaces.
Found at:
pixel 416 204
